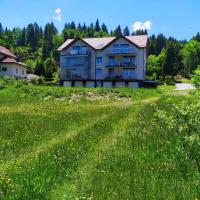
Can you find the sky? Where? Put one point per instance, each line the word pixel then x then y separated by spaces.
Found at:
pixel 177 18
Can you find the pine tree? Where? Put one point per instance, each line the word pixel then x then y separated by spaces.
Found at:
pixel 160 43
pixel 39 68
pixel 97 26
pixel 118 31
pixel 1 29
pixel 104 28
pixel 84 27
pixel 126 31
pixel 73 25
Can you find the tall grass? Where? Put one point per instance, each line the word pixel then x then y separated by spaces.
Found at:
pixel 102 149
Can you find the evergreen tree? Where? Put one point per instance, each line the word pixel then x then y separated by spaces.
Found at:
pixel 197 37
pixel 104 28
pixel 126 31
pixel 160 43
pixel 97 26
pixel 30 35
pixel 152 45
pixel 171 64
pixel 84 27
pixel 1 30
pixel 50 67
pixel 73 25
pixel 39 68
pixel 79 27
pixel 118 31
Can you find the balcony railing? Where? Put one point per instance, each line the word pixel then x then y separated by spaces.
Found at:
pixel 121 64
pixel 120 77
pixel 79 52
pixel 78 64
pixel 121 51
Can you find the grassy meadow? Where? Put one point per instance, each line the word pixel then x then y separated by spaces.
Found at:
pixel 78 143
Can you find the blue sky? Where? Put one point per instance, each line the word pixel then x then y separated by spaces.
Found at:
pixel 178 18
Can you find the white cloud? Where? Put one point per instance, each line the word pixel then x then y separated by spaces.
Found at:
pixel 58 16
pixel 142 25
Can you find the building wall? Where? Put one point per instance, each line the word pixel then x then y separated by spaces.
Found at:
pixel 63 58
pixel 14 70
pixel 140 59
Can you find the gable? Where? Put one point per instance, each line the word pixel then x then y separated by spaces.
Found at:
pixel 75 43
pixel 121 41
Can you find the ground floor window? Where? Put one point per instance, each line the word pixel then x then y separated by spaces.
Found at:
pixel 129 73
pixel 4 69
pixel 99 73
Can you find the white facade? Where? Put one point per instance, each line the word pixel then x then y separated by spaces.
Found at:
pixel 13 69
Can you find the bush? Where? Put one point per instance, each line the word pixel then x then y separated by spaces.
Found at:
pixel 40 80
pixel 169 80
pixel 34 81
pixel 196 78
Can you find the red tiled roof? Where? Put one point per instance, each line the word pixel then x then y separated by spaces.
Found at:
pixel 6 52
pixel 12 60
pixel 100 43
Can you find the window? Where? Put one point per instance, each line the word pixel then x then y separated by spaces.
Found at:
pixel 22 72
pixel 99 60
pixel 98 72
pixel 128 73
pixel 16 70
pixel 124 46
pixel 4 69
pixel 129 60
pixel 76 48
pixel 111 73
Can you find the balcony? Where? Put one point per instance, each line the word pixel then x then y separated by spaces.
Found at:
pixel 78 64
pixel 81 52
pixel 114 51
pixel 120 77
pixel 121 64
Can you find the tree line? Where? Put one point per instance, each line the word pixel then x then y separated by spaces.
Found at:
pixel 37 46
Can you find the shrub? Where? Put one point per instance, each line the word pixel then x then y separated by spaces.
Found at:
pixel 40 80
pixel 169 80
pixel 196 78
pixel 34 81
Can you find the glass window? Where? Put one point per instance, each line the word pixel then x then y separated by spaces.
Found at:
pixel 99 60
pixel 129 73
pixel 16 70
pixel 111 61
pixel 124 46
pixel 4 69
pixel 98 72
pixel 76 48
pixel 22 72
pixel 129 60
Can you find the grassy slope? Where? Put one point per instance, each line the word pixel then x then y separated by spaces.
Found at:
pixel 92 150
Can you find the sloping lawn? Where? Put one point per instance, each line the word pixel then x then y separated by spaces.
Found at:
pixel 73 143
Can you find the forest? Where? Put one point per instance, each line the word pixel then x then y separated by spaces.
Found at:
pixel 37 47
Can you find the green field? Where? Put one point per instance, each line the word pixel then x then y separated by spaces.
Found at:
pixel 72 143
